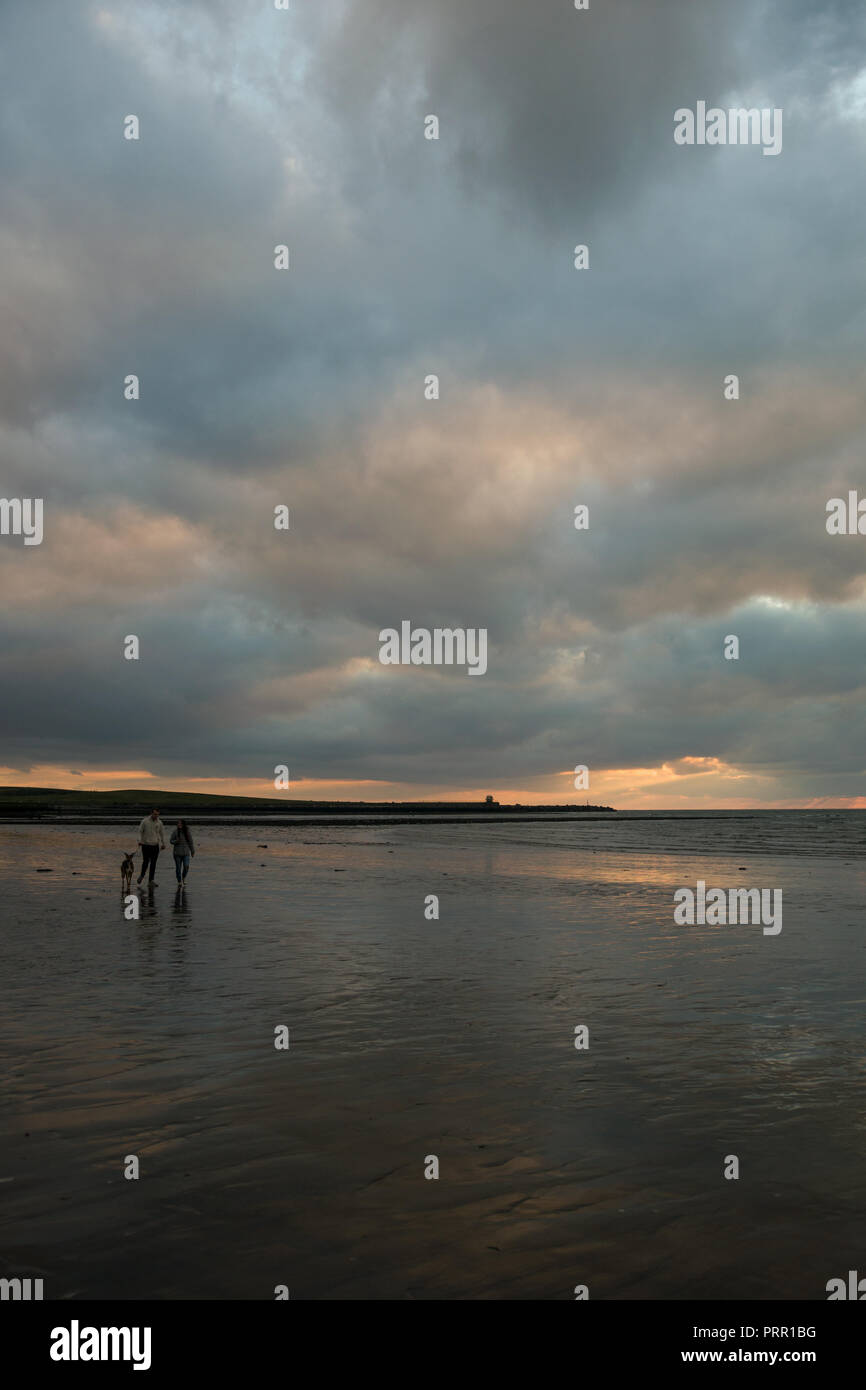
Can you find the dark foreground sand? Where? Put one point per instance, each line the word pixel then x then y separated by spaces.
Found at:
pixel 411 1038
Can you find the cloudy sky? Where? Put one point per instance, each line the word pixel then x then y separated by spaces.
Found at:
pixel 558 387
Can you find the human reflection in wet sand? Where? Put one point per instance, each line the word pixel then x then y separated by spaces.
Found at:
pixel 179 948
pixel 151 929
pixel 180 907
pixel 147 906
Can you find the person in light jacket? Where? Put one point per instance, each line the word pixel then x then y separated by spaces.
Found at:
pixel 151 837
pixel 183 849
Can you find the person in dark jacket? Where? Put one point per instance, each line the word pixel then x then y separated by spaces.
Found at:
pixel 183 849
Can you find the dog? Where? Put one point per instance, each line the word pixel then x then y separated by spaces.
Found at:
pixel 126 869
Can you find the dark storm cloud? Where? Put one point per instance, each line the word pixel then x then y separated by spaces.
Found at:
pixel 661 693
pixel 556 111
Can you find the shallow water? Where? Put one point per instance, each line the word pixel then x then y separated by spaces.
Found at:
pixel 452 1038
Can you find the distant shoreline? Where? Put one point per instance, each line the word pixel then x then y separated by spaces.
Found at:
pixel 346 818
pixel 350 817
pixel 49 805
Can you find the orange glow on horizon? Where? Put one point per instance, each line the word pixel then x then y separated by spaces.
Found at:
pixel 691 783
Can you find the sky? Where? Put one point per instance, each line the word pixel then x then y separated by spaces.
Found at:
pixel 602 387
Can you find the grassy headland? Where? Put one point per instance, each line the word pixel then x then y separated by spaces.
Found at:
pixel 46 803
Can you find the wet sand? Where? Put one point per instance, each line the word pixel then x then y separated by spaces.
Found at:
pixel 412 1037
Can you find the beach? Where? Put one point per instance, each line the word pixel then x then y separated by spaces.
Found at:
pixel 413 1037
